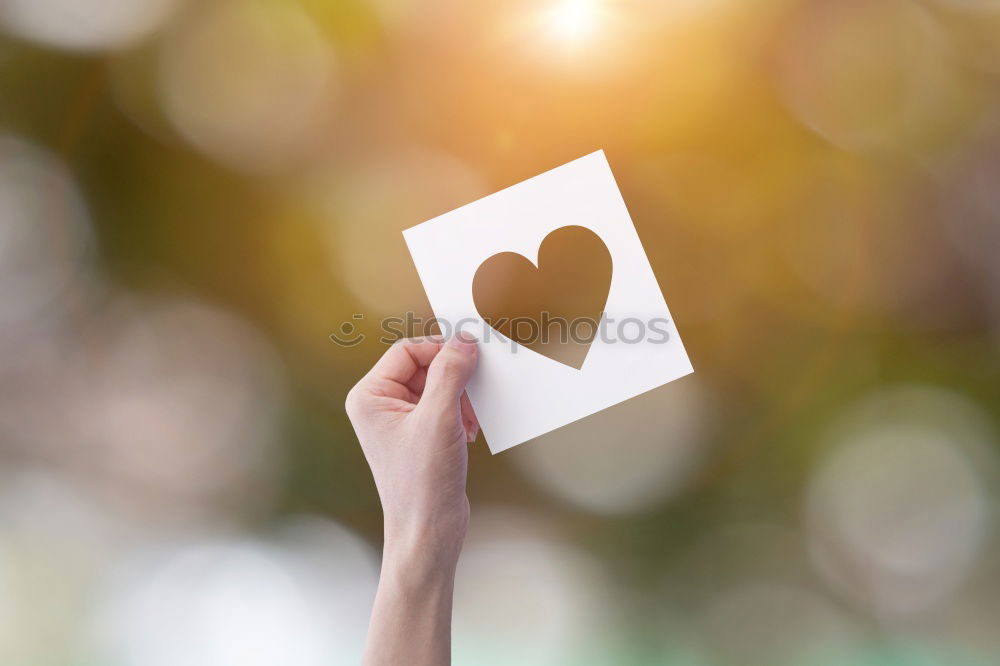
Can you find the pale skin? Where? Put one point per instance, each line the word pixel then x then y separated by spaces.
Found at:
pixel 414 422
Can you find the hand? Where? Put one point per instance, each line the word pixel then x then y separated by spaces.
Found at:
pixel 414 422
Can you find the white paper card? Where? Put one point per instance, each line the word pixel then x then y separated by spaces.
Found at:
pixel 517 393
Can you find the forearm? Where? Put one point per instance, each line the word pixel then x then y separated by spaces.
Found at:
pixel 414 423
pixel 411 619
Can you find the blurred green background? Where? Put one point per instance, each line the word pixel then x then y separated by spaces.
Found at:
pixel 194 195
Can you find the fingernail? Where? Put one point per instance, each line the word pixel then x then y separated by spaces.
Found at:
pixel 464 342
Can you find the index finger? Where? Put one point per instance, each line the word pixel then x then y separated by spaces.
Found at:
pixel 402 360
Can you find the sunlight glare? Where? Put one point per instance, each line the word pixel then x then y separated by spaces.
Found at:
pixel 571 20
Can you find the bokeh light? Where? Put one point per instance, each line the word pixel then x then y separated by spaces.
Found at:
pixel 170 408
pixel 868 76
pixel 56 538
pixel 899 511
pixel 133 76
pixel 241 602
pixel 45 237
pixel 367 212
pixel 273 112
pixel 85 24
pixel 526 597
pixel 634 455
pixel 967 204
pixel 772 623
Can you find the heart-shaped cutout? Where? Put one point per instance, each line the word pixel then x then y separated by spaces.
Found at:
pixel 553 308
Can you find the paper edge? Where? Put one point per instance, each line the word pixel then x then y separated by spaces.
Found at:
pixel 599 151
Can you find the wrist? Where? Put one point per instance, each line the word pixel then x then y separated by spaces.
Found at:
pixel 419 569
pixel 409 542
pixel 438 529
pixel 422 552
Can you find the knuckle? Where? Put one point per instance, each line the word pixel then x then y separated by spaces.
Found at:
pixel 451 366
pixel 352 403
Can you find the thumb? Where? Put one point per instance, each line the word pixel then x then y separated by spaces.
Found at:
pixel 448 373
